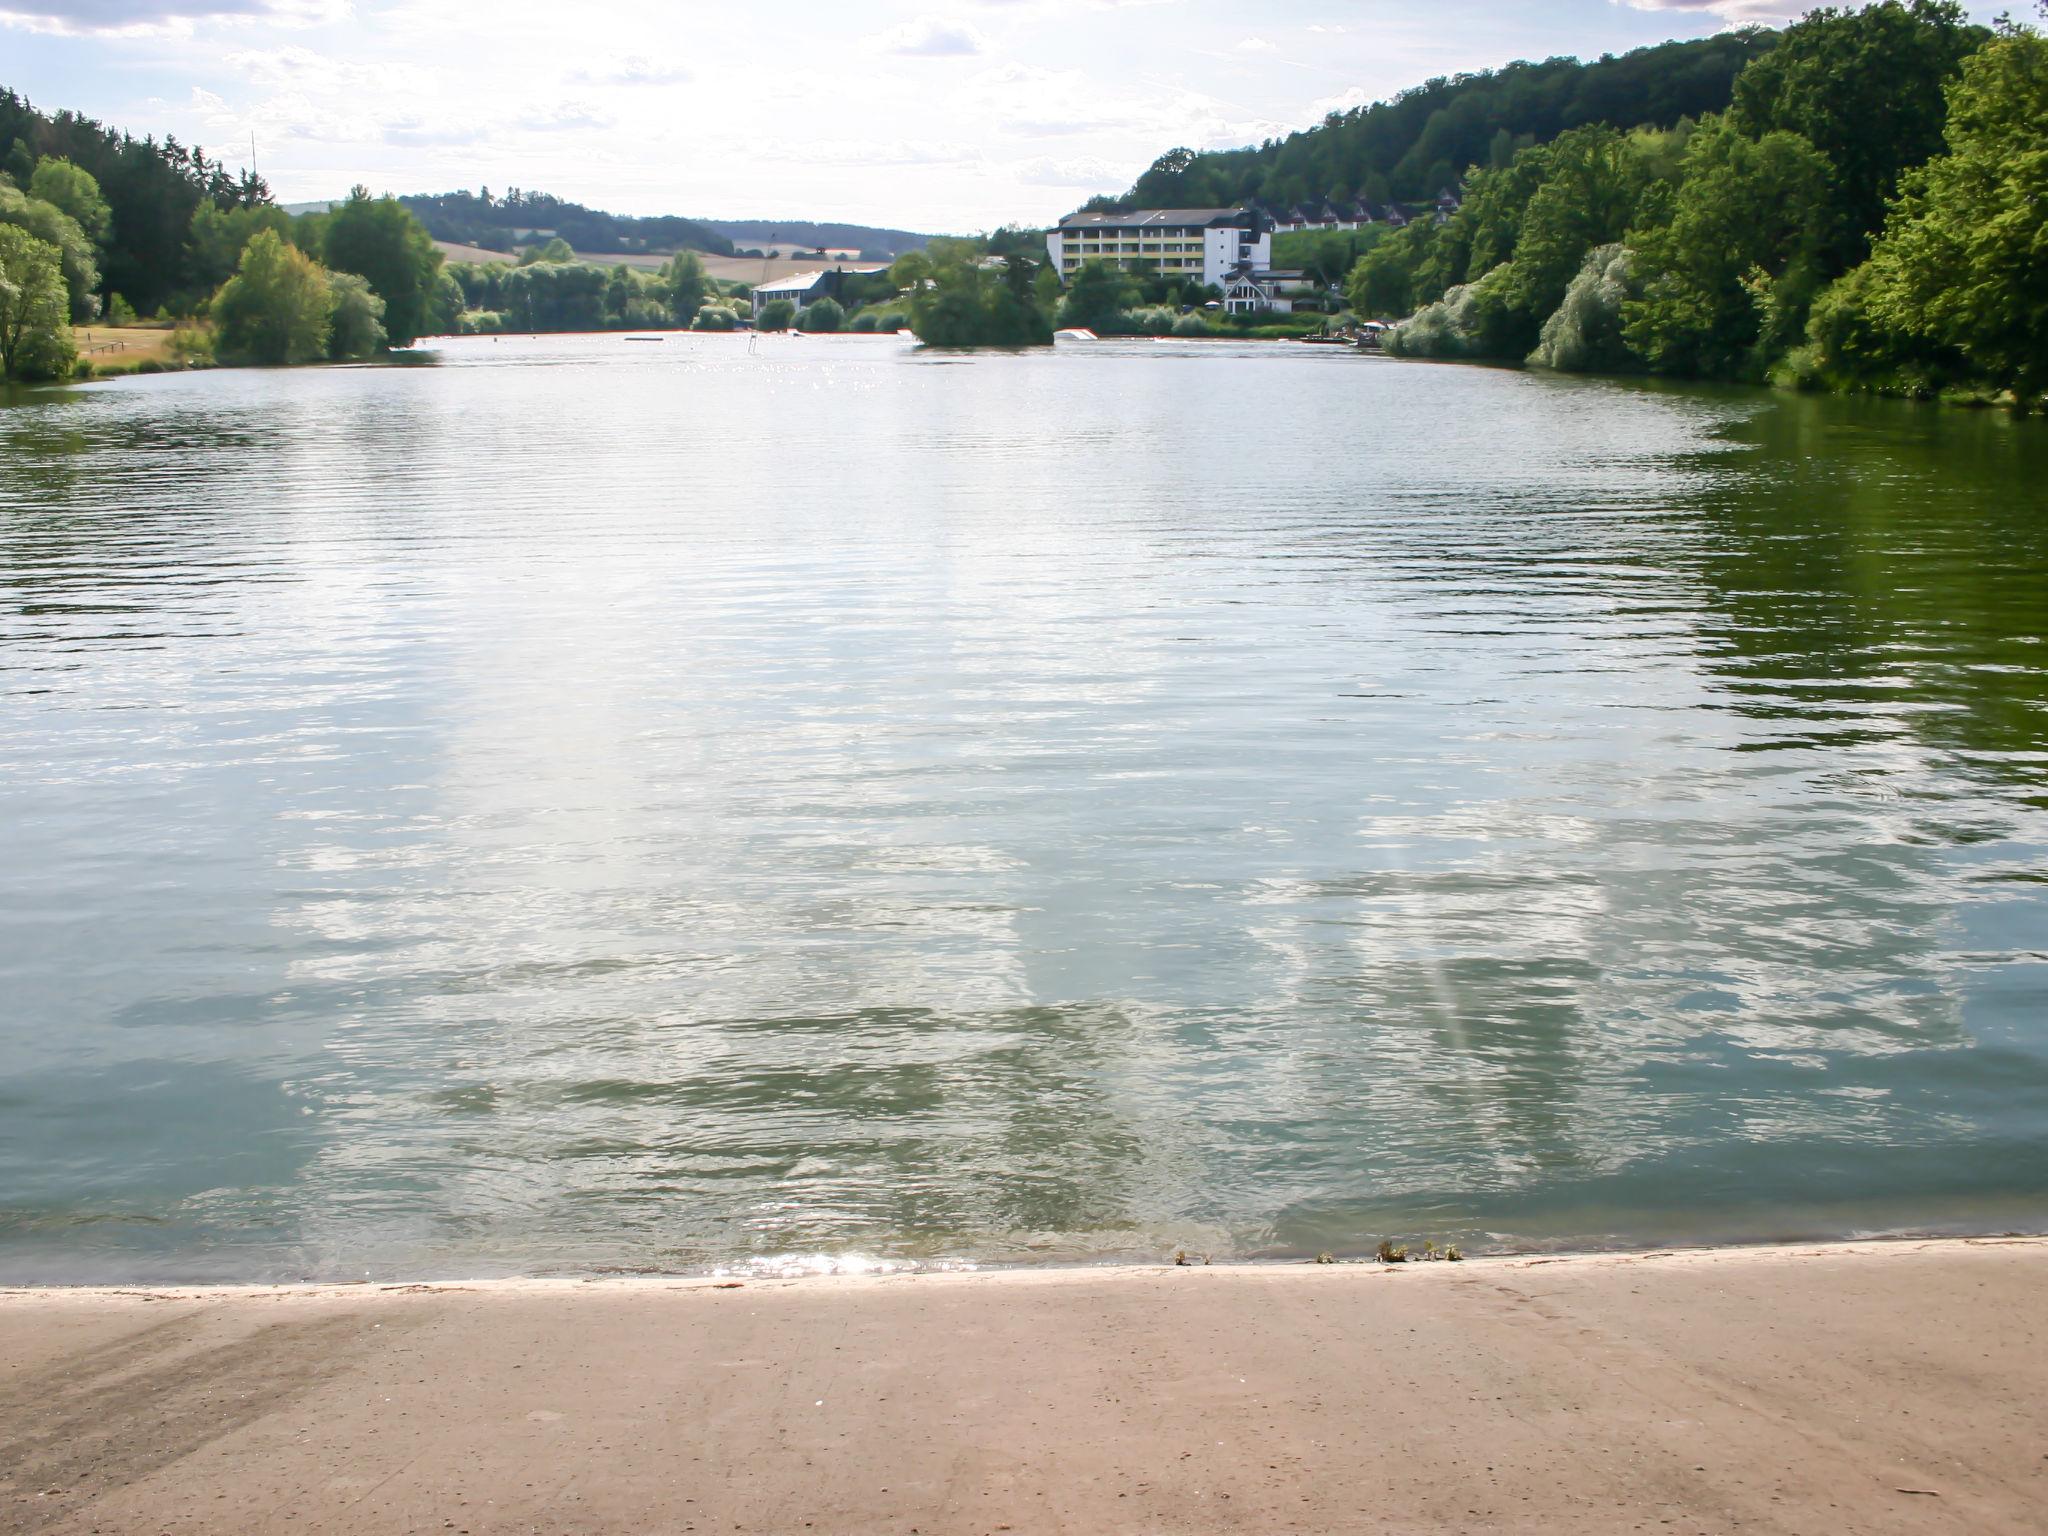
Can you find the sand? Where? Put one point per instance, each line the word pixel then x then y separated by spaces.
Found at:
pixel 1895 1387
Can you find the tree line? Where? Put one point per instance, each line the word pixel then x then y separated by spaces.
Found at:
pixel 1419 142
pixel 1867 213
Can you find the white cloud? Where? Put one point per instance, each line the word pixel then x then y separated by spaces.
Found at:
pixel 141 18
pixel 929 37
pixel 1256 45
pixel 1735 11
pixel 633 69
pixel 1084 172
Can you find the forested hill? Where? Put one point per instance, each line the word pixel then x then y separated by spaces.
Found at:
pixel 1415 144
pixel 854 237
pixel 505 222
pixel 151 189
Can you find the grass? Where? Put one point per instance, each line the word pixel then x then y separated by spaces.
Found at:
pixel 112 349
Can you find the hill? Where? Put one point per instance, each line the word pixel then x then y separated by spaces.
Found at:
pixel 1419 142
pixel 501 223
pixel 760 233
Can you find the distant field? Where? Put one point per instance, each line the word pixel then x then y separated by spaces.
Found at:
pixel 751 270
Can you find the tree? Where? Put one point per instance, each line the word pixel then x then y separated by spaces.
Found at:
pixel 1583 334
pixel 776 315
pixel 214 245
pixel 1865 88
pixel 686 285
pixel 823 317
pixel 35 322
pixel 355 318
pixel 54 227
pixel 1962 265
pixel 72 189
pixel 379 239
pixel 1097 296
pixel 276 309
pixel 1728 279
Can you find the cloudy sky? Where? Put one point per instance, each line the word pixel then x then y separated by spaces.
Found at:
pixel 945 115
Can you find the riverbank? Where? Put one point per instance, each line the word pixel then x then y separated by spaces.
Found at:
pixel 1877 1387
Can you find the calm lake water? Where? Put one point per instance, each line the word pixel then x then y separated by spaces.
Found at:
pixel 591 804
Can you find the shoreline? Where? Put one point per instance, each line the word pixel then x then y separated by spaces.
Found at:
pixel 1875 1386
pixel 1051 1270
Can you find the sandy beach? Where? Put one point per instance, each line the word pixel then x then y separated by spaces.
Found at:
pixel 1848 1388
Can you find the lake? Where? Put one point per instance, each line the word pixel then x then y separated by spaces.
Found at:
pixel 584 806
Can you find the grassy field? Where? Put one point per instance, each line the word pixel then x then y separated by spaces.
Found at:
pixel 122 348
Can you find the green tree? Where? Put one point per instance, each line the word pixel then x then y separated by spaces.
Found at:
pixel 76 192
pixel 1865 87
pixel 1962 266
pixel 1583 334
pixel 276 308
pixel 54 227
pixel 355 318
pixel 214 246
pixel 35 322
pixel 1385 280
pixel 823 317
pixel 1732 272
pixel 379 239
pixel 686 285
pixel 1097 296
pixel 776 315
pixel 555 251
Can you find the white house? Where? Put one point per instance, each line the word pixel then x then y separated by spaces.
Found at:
pixel 802 288
pixel 1206 244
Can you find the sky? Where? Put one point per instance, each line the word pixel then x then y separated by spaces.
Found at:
pixel 939 116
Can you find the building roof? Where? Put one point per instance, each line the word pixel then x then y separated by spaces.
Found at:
pixel 1154 218
pixel 804 282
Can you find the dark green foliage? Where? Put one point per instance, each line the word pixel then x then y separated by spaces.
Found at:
pixel 776 315
pixel 1414 145
pixel 1864 87
pixel 150 189
pixel 824 317
pixel 1726 281
pixel 355 318
pixel 957 302
pixel 1097 296
pixel 555 296
pixel 377 238
pixel 1956 290
pixel 214 246
pixel 501 223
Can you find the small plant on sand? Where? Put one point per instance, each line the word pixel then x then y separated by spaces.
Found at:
pixel 1452 1255
pixel 1326 1258
pixel 1390 1253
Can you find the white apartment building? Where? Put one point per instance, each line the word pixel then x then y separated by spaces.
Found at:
pixel 1207 244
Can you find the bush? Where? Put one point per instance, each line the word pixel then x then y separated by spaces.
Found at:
pixel 776 315
pixel 715 317
pixel 863 323
pixel 823 318
pixel 480 322
pixel 1584 335
pixel 119 310
pixel 1191 324
pixel 1472 320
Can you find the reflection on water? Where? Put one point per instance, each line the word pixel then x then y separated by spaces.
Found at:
pixel 584 806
